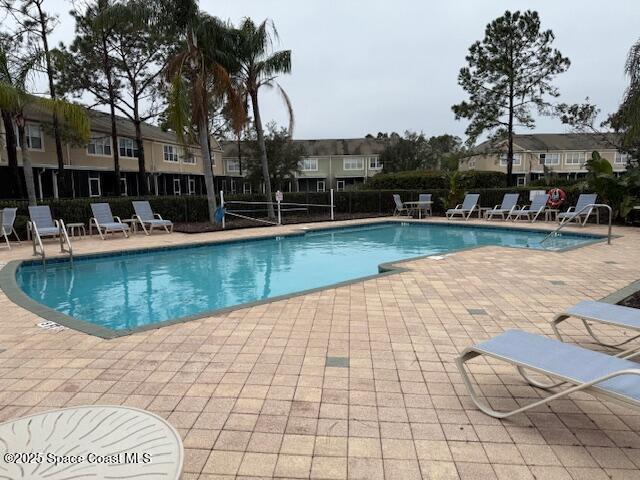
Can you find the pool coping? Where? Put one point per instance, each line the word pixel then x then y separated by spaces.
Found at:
pixel 9 285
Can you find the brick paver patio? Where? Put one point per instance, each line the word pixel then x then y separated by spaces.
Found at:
pixel 253 394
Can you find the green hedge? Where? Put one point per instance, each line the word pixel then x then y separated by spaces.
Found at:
pixel 420 179
pixel 194 208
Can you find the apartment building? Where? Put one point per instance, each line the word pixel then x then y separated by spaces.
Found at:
pixel 564 154
pixel 171 168
pixel 328 163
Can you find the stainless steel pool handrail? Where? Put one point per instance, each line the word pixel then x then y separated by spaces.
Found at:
pixel 566 220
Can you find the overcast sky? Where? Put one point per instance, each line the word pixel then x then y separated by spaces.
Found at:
pixel 363 66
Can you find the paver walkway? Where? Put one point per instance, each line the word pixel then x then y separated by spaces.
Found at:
pixel 252 395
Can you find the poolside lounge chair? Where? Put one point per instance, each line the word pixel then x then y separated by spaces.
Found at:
pixel 581 210
pixel 531 212
pixel 42 225
pixel 604 313
pixel 400 208
pixel 466 208
pixel 7 220
pixel 574 368
pixel 508 205
pixel 105 222
pixel 146 218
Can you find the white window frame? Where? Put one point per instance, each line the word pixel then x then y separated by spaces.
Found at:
pixel 97 179
pixel 170 153
pixel 123 186
pixel 348 160
pixel 190 159
pixel 133 147
pixel 178 192
pixel 544 158
pixel 621 158
pixel 321 186
pixel 232 161
pixel 374 163
pixel 103 142
pixel 340 185
pixel 309 165
pixel 521 181
pixel 246 188
pixel 471 163
pixel 191 186
pixel 517 159
pixel 581 160
pixel 28 134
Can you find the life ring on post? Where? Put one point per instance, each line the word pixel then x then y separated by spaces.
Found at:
pixel 556 197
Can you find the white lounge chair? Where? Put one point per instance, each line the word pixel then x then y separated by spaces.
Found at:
pixel 7 221
pixel 583 209
pixel 42 225
pixel 603 313
pixel 466 208
pixel 531 212
pixel 575 369
pixel 146 218
pixel 105 222
pixel 508 205
pixel 400 208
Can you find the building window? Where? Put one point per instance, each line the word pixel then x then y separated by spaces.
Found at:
pixel 246 188
pixel 472 163
pixel 99 146
pixel 94 186
pixel 192 186
pixel 575 158
pixel 517 159
pixel 34 137
pixel 622 158
pixel 170 153
pixel 521 181
pixel 375 163
pixel 320 186
pixel 340 185
pixel 353 163
pixel 176 186
pixel 127 147
pixel 309 165
pixel 190 158
pixel 123 186
pixel 233 166
pixel 549 159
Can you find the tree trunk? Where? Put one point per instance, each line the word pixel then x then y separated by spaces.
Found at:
pixel 142 174
pixel 263 153
pixel 510 181
pixel 12 155
pixel 26 163
pixel 106 65
pixel 61 178
pixel 208 170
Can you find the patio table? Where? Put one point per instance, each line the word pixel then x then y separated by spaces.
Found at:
pixel 419 206
pixel 90 442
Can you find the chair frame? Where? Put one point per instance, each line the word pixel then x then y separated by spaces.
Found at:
pixel 590 387
pixel 498 210
pixel 526 210
pixel 397 211
pixel 459 210
pixel 572 209
pixel 12 230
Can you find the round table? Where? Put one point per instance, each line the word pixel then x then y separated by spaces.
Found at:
pixel 419 206
pixel 90 442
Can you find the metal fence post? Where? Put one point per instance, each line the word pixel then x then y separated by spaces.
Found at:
pixel 331 197
pixel 222 207
pixel 279 214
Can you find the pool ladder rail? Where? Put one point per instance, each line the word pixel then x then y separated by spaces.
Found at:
pixel 565 221
pixel 63 236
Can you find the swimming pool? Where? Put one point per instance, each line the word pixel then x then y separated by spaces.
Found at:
pixel 114 294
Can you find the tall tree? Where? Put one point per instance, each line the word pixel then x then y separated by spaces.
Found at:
pixel 284 157
pixel 15 72
pixel 417 152
pixel 260 67
pixel 37 24
pixel 139 47
pixel 88 65
pixel 509 73
pixel 196 72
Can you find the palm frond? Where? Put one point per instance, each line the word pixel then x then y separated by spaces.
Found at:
pixel 632 65
pixel 11 98
pixel 72 114
pixel 287 102
pixel 178 116
pixel 275 64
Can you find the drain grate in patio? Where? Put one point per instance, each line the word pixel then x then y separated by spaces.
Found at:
pixel 477 311
pixel 557 282
pixel 611 262
pixel 338 362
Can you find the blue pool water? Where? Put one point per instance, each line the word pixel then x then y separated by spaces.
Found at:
pixel 125 292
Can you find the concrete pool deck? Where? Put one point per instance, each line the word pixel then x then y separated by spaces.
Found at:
pixel 356 381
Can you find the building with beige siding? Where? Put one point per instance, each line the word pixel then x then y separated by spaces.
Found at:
pixel 328 163
pixel 171 168
pixel 535 155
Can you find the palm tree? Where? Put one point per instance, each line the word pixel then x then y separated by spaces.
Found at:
pixel 196 73
pixel 15 99
pixel 260 66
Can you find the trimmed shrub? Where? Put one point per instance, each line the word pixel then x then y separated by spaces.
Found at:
pixel 429 180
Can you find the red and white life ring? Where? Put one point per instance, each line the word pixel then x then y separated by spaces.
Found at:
pixel 556 197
